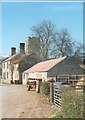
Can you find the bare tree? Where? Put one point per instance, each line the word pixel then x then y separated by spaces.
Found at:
pixel 64 43
pixel 54 43
pixel 46 32
pixel 78 50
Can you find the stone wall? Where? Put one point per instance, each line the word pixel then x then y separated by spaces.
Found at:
pixel 32 45
pixel 67 66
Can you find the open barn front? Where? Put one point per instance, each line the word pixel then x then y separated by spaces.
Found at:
pixel 34 84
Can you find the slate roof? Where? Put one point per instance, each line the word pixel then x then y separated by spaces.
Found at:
pixel 20 58
pixel 16 57
pixel 45 66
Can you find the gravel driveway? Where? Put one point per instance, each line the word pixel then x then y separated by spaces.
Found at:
pixel 17 102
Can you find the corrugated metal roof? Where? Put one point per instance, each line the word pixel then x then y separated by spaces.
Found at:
pixel 44 66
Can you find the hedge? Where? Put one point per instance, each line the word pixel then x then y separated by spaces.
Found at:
pixel 72 102
pixel 45 88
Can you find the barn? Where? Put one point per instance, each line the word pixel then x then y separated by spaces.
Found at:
pixel 50 69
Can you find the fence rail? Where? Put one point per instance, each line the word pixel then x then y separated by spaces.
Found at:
pixel 57 96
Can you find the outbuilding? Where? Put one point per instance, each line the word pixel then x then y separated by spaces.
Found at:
pixel 50 69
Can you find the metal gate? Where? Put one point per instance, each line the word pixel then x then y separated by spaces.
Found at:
pixel 57 97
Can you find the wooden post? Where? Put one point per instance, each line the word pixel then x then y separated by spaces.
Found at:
pixel 51 92
pixel 38 86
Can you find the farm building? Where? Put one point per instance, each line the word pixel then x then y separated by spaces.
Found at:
pixel 50 69
pixel 16 63
pixel 23 63
pixel 7 66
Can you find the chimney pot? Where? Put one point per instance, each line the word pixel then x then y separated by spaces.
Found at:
pixel 22 47
pixel 13 50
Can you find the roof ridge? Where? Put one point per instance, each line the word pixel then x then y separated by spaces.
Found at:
pixel 45 65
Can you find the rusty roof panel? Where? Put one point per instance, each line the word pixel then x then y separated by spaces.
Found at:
pixel 44 66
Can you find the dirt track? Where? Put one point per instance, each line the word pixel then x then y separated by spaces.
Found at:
pixel 17 102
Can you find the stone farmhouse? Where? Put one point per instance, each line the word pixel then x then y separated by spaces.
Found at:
pixel 51 69
pixel 16 63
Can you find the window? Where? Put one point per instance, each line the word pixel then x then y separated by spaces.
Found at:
pixel 7 75
pixel 7 64
pixel 4 65
pixel 4 75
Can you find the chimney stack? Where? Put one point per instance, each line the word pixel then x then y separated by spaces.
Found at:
pixel 13 50
pixel 22 47
pixel 27 45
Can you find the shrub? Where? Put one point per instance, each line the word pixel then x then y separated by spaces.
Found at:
pixel 45 88
pixel 72 102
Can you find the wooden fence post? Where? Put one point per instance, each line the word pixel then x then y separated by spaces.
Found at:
pixel 51 92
